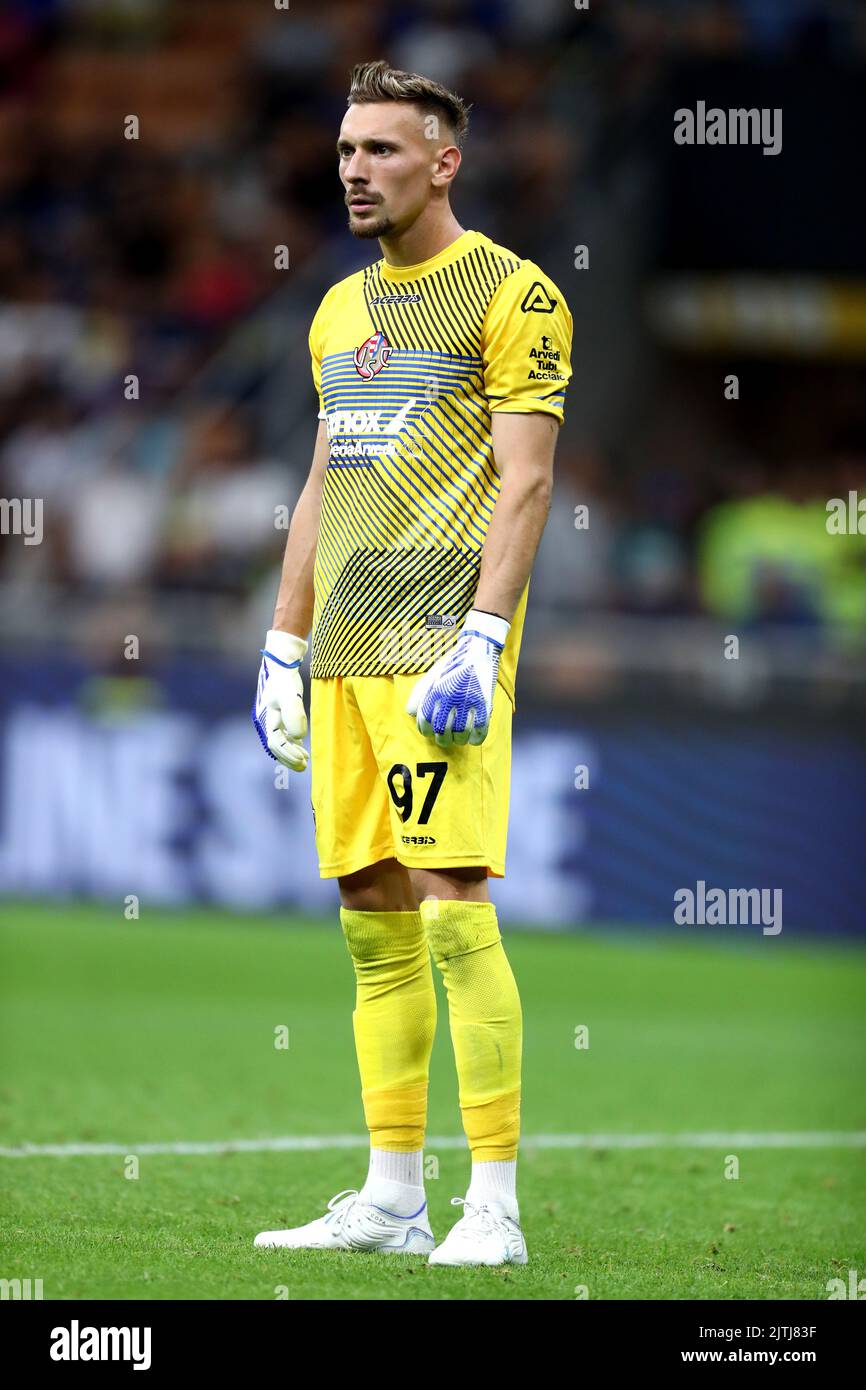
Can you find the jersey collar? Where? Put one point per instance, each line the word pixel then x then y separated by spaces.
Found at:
pixel 457 248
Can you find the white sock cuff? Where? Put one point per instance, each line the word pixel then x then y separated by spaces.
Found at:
pixel 494 1179
pixel 391 1166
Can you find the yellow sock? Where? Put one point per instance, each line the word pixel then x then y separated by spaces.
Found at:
pixel 486 1022
pixel 395 1023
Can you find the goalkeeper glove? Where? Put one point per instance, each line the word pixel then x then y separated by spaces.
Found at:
pixel 278 709
pixel 453 701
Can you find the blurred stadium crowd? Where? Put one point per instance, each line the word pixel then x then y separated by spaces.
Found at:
pixel 155 258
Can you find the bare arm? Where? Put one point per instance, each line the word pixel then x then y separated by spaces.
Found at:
pixel 294 608
pixel 523 447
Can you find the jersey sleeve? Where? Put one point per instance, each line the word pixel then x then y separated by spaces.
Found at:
pixel 526 345
pixel 316 341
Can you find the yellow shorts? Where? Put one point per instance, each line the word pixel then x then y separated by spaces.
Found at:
pixel 382 790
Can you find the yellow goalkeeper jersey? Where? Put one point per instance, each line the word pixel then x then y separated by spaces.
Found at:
pixel 409 363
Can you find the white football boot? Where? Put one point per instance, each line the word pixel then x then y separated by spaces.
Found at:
pixel 353 1224
pixel 486 1234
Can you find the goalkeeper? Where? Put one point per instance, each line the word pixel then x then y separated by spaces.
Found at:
pixel 440 371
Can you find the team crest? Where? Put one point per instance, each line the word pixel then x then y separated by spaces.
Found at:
pixel 372 356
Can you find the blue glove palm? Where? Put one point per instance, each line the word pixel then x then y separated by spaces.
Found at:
pixel 453 701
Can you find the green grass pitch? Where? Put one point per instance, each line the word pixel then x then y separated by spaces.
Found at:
pixel 162 1030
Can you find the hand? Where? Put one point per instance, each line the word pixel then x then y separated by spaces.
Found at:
pixel 453 701
pixel 278 709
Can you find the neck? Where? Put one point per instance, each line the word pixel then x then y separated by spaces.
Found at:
pixel 429 234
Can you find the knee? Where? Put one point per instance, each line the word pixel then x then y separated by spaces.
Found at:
pixel 458 928
pixel 463 884
pixel 381 887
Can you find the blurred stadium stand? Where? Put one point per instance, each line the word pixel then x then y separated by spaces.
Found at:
pixel 155 257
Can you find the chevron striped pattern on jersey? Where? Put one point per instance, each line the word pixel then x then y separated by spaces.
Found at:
pixel 409 493
pixel 453 303
pixel 373 611
pixel 411 483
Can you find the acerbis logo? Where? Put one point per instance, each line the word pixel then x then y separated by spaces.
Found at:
pixel 372 355
pixel 395 299
pixel 418 839
pixel 537 300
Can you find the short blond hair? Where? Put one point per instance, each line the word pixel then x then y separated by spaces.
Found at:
pixel 378 81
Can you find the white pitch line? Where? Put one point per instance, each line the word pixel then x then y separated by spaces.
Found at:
pixel 746 1139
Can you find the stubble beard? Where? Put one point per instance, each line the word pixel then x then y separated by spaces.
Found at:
pixel 368 231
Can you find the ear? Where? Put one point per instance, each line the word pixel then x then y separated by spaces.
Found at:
pixel 445 166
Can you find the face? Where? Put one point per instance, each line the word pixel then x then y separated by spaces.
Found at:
pixel 389 166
